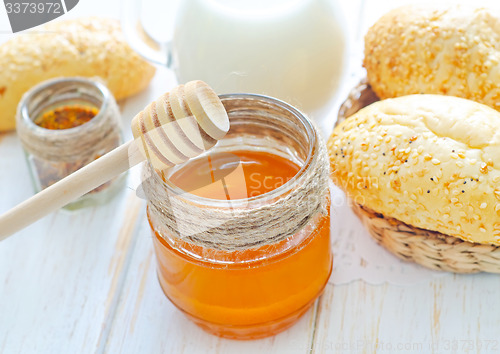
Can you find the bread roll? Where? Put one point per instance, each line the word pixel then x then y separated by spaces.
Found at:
pixel 430 161
pixel 84 47
pixel 451 50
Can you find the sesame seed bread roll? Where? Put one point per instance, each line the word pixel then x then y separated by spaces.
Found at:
pixel 430 161
pixel 88 47
pixel 438 50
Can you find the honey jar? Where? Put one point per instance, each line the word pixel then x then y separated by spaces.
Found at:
pixel 242 233
pixel 64 124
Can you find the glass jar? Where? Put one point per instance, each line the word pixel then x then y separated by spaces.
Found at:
pixel 253 273
pixel 53 154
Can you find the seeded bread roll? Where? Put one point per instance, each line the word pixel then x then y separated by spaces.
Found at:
pixel 449 50
pixel 430 161
pixel 84 47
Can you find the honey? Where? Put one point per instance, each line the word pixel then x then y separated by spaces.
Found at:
pixel 242 233
pixel 250 293
pixel 263 172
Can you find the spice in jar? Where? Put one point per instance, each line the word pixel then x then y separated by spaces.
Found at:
pixel 64 124
pixel 66 117
pixel 60 118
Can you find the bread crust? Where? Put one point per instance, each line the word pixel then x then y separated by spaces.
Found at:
pixel 441 50
pixel 430 161
pixel 89 47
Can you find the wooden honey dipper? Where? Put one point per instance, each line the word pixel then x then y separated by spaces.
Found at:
pixel 179 125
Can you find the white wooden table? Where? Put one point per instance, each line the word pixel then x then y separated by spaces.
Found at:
pixel 85 281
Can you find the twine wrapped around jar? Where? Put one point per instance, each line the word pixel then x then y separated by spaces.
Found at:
pixel 244 223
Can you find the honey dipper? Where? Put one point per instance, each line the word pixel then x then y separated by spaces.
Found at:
pixel 179 125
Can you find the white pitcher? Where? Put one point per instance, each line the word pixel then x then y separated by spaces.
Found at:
pixel 293 50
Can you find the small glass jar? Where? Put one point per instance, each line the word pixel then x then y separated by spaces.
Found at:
pixel 256 286
pixel 53 154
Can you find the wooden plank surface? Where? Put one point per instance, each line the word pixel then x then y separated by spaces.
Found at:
pixel 456 314
pixel 59 279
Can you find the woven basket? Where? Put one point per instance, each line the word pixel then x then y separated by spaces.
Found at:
pixel 428 248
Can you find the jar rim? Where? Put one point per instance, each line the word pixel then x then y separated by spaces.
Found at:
pixel 286 187
pixel 103 91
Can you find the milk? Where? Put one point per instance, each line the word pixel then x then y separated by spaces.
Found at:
pixel 289 49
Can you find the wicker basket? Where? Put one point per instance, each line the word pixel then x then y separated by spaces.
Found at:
pixel 428 248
